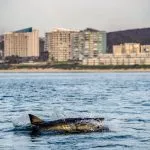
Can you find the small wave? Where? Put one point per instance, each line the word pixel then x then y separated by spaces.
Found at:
pixel 17 126
pixel 7 96
pixel 146 104
pixel 114 124
pixel 70 96
pixel 83 111
pixel 145 140
pixel 138 129
pixel 136 120
pixel 21 129
pixel 119 137
pixel 112 145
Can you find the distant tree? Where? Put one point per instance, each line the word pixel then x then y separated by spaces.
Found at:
pixel 14 59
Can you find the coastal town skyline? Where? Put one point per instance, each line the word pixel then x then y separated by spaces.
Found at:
pixel 74 30
pixel 88 46
pixel 110 15
pixel 74 74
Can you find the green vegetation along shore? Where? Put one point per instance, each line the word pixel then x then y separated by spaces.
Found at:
pixel 71 67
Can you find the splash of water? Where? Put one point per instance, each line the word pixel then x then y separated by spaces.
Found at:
pixel 22 122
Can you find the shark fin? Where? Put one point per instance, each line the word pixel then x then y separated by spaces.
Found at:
pixel 35 120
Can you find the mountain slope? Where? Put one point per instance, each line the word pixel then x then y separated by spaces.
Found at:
pixel 128 36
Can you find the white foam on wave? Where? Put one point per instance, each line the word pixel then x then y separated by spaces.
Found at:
pixel 114 125
pixel 21 121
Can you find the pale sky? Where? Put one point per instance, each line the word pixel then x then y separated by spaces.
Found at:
pixel 108 15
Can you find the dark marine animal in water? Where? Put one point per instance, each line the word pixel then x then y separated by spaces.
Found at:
pixel 68 125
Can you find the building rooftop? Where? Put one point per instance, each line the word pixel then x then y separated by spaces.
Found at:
pixel 92 30
pixel 30 29
pixel 63 29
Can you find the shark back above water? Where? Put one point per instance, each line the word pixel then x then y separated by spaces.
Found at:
pixel 68 125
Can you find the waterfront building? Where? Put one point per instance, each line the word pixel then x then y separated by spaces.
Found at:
pixel 124 59
pixel 145 48
pixel 88 43
pixel 77 46
pixel 58 44
pixel 118 49
pixel 127 48
pixel 22 43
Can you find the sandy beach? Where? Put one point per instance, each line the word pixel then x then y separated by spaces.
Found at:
pixel 51 70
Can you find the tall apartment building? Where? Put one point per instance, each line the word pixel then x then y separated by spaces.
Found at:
pixel 58 44
pixel 23 43
pixel 127 48
pixel 88 43
pixel 77 46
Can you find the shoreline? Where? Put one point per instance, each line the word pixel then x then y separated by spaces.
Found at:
pixel 51 70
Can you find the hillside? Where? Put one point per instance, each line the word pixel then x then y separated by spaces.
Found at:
pixel 136 35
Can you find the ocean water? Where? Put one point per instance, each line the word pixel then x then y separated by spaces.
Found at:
pixel 123 99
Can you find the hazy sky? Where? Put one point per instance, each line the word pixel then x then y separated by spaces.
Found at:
pixel 109 15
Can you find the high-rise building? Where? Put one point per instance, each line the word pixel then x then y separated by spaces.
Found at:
pixel 88 43
pixel 58 44
pixel 22 43
pixel 77 46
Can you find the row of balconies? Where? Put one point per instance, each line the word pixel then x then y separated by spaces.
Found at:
pixel 126 61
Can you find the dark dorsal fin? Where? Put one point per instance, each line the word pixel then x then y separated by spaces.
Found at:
pixel 35 120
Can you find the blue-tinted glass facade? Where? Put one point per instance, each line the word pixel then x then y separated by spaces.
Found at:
pixel 24 30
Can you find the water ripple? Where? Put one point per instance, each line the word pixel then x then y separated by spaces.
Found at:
pixel 121 98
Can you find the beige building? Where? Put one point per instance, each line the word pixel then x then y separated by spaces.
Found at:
pixel 145 48
pixel 124 59
pixel 58 44
pixel 127 48
pixel 123 54
pixel 23 43
pixel 118 49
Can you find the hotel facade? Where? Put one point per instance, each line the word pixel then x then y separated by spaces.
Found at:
pixel 22 43
pixel 58 44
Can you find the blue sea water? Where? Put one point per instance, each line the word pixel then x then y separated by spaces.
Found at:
pixel 123 99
